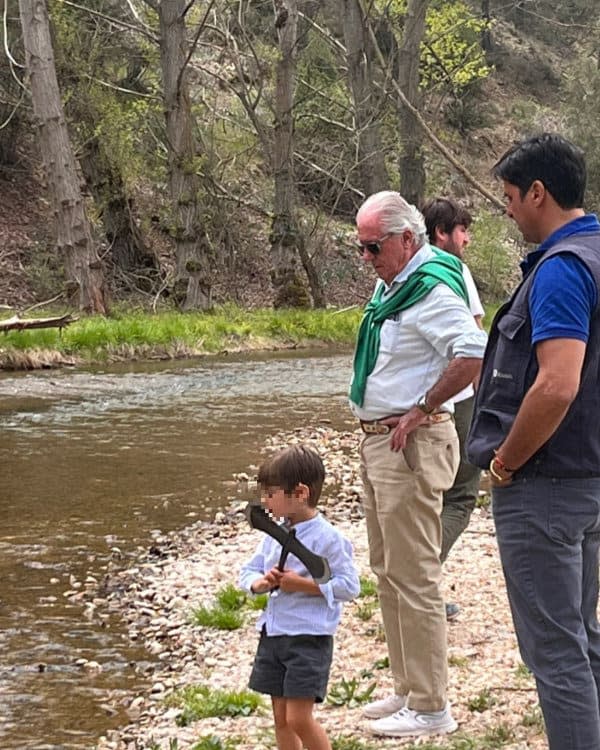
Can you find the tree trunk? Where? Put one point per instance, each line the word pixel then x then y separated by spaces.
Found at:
pixel 412 171
pixel 193 283
pixel 74 235
pixel 127 247
pixel 289 281
pixel 371 165
pixel 486 34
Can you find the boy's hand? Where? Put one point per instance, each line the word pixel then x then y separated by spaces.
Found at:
pixel 291 581
pixel 263 585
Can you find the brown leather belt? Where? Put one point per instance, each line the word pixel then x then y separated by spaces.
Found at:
pixel 374 426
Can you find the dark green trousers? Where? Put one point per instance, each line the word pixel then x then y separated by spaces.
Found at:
pixel 460 499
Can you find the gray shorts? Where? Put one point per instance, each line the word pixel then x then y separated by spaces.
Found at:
pixel 292 666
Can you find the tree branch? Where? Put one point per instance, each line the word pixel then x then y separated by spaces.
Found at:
pixel 116 21
pixel 194 42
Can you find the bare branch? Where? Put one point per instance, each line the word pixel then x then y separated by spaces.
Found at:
pixel 331 176
pixel 12 114
pixel 192 48
pixel 152 4
pixel 11 59
pixel 121 88
pixel 116 21
pixel 241 201
pixel 137 16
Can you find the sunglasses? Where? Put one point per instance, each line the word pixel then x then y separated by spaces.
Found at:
pixel 374 247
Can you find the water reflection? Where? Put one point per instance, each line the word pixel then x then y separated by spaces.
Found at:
pixel 92 462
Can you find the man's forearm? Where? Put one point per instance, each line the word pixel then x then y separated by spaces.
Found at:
pixel 458 375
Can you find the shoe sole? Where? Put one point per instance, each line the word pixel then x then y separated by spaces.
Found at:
pixel 447 729
pixel 378 714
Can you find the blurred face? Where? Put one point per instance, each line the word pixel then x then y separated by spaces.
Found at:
pixel 282 505
pixel 389 253
pixel 523 210
pixel 454 242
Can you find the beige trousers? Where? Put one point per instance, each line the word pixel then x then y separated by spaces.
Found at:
pixel 403 503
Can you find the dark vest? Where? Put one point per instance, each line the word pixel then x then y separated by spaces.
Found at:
pixel 510 367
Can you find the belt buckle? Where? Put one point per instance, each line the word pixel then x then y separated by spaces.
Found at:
pixel 375 428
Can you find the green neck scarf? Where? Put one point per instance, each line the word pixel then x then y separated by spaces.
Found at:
pixel 443 269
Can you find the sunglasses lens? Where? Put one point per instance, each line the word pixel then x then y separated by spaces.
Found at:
pixel 371 247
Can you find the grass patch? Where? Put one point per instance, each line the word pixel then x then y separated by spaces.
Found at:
pixel 368 587
pixel 200 702
pixel 212 742
pixel 494 739
pixel 227 327
pixel 367 610
pixel 483 501
pixel 522 672
pixel 482 702
pixel 458 661
pixel 215 617
pixel 342 742
pixel 348 693
pixel 534 718
pixel 228 611
pixel 498 736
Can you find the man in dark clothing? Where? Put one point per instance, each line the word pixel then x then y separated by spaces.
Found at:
pixel 447 224
pixel 537 428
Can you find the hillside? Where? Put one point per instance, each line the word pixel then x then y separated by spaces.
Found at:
pixel 518 97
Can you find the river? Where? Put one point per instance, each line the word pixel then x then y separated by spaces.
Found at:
pixel 94 464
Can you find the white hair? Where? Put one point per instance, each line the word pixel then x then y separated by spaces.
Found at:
pixel 395 215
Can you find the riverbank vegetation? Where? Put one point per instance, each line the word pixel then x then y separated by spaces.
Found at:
pixel 174 335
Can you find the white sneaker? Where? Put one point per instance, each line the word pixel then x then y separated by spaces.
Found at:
pixel 409 723
pixel 384 707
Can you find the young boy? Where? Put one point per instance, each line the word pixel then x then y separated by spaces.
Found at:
pixel 296 629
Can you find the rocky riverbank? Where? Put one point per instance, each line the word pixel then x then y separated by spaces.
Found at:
pixel 493 696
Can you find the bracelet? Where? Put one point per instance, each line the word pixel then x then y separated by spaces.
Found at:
pixel 494 473
pixel 501 465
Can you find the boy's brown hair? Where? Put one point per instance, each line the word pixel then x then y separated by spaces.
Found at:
pixel 446 214
pixel 297 464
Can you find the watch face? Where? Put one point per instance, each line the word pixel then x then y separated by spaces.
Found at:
pixel 424 406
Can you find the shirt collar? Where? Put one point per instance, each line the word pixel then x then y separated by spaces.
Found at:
pixel 307 522
pixel 582 225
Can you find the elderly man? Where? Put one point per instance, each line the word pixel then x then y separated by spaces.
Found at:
pixel 537 428
pixel 418 345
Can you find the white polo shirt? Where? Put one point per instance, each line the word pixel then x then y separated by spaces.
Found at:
pixel 416 346
pixel 476 309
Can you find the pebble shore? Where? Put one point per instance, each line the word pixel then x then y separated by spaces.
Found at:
pixel 492 696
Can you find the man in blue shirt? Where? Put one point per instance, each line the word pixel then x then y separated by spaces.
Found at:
pixel 537 429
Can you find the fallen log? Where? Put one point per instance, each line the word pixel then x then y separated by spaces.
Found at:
pixel 19 324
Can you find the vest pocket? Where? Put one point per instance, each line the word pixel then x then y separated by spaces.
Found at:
pixel 512 365
pixel 488 430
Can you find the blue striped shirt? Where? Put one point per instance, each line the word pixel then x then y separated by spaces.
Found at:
pixel 296 613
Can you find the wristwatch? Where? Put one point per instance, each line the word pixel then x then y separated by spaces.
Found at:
pixel 424 406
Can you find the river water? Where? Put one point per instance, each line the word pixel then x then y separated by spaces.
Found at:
pixel 93 464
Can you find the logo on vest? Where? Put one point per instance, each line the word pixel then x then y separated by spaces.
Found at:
pixel 502 375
